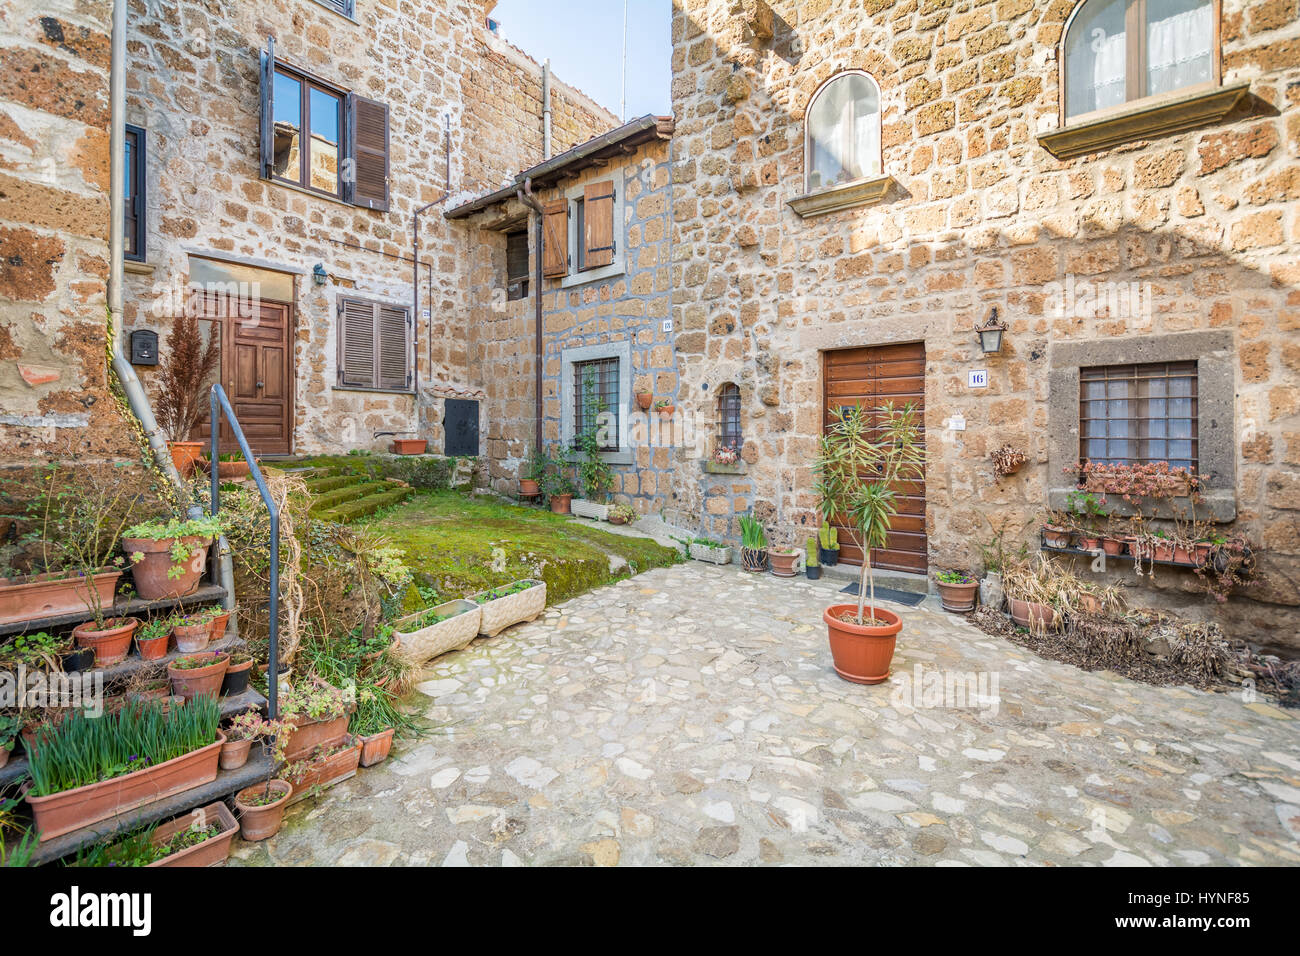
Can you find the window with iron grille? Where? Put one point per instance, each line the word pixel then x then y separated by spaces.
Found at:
pixel 517 265
pixel 1135 414
pixel 729 417
pixel 595 396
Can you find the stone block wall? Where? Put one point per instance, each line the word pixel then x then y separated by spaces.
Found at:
pixel 54 200
pixel 981 217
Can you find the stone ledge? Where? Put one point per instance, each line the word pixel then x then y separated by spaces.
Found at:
pixel 1143 121
pixel 860 192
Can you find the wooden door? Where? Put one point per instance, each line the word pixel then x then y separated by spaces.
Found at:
pixel 869 377
pixel 257 373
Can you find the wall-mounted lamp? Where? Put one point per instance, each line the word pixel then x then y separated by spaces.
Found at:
pixel 990 333
pixel 318 274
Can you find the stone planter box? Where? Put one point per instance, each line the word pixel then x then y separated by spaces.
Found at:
pixel 453 634
pixel 50 595
pixel 211 851
pixel 60 813
pixel 702 552
pixel 589 509
pixel 511 609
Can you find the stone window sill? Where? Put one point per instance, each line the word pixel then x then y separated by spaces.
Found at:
pixel 1219 505
pixel 860 192
pixel 137 268
pixel 714 468
pixel 1144 121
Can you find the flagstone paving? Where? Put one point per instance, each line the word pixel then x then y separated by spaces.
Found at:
pixel 690 715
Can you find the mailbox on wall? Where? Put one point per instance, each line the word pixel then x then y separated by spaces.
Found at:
pixel 144 347
pixel 460 427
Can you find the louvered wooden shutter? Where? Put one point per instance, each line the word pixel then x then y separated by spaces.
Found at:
pixel 368 131
pixel 268 108
pixel 356 343
pixel 598 214
pixel 394 347
pixel 555 238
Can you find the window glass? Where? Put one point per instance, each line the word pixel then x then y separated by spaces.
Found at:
pixel 1096 56
pixel 1136 414
pixel 844 132
pixel 580 232
pixel 288 128
pixel 324 112
pixel 595 396
pixel 1180 36
pixel 131 215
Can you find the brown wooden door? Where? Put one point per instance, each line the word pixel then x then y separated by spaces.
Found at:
pixel 869 377
pixel 257 373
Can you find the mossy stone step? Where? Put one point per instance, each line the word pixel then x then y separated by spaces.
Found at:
pixel 332 499
pixel 362 507
pixel 318 486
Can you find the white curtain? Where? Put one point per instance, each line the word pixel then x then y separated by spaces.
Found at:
pixel 1095 58
pixel 844 132
pixel 1180 36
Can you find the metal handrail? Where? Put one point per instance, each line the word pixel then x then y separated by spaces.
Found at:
pixel 218 398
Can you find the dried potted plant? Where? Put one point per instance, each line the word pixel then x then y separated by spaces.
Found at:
pixel 408 446
pixel 1056 530
pixel 753 544
pixel 1007 461
pixel 886 444
pixel 186 369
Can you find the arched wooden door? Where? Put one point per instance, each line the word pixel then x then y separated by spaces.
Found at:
pixel 869 377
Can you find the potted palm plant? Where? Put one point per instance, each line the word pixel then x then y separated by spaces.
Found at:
pixel 864 456
pixel 186 369
pixel 753 544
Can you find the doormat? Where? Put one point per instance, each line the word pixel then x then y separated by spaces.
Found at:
pixel 910 598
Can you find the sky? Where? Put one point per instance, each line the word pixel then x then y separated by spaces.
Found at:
pixel 590 58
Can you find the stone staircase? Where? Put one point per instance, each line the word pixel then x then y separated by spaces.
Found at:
pixel 345 498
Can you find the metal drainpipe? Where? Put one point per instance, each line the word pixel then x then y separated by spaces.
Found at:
pixel 546 109
pixel 525 196
pixel 134 391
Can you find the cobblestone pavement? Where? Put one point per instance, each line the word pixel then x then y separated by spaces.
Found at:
pixel 691 716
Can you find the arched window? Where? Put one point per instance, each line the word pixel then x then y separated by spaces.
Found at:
pixel 729 435
pixel 1120 51
pixel 843 131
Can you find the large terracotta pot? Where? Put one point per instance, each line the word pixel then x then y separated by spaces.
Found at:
pixel 783 562
pixel 229 470
pixel 307 735
pixel 528 487
pixel 185 455
pixel 191 682
pixel 862 654
pixel 234 754
pixel 217 628
pixel 261 822
pixel 375 748
pixel 562 504
pixel 110 645
pixel 1036 617
pixel 151 572
pixel 959 598
pixel 192 638
pixel 49 595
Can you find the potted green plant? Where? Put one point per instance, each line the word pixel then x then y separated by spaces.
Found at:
pixel 784 562
pixel 372 725
pixel 863 458
pixel 665 408
pixel 261 807
pixel 153 637
pixel 957 590
pixel 186 368
pixel 706 549
pixel 242 731
pixel 812 562
pixel 10 726
pixel 231 466
pixel 193 632
pixel 622 514
pixel 450 626
pixel 559 492
pixel 753 544
pixel 168 557
pixel 198 675
pixel 828 545
pixel 538 465
pixel 1087 509
pixel 594 473
pixel 317 716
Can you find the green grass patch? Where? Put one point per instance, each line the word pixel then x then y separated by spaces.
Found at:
pixel 459 545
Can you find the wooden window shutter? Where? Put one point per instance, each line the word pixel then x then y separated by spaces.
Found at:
pixel 268 109
pixel 368 133
pixel 555 238
pixel 598 243
pixel 393 324
pixel 356 343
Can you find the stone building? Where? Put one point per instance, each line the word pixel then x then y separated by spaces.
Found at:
pixel 859 185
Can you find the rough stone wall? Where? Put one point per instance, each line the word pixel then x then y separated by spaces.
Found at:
pixel 193 85
pixel 627 307
pixel 982 216
pixel 54 198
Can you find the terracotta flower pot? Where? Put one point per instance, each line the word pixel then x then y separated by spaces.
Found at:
pixel 1183 555
pixel 1056 537
pixel 375 748
pixel 307 735
pixel 230 470
pixel 1162 551
pixel 644 400
pixel 1036 617
pixel 1202 554
pixel 783 562
pixel 49 595
pixel 666 412
pixel 110 645
pixel 191 682
pixel 235 681
pixel 154 649
pixel 862 654
pixel 408 446
pixel 150 573
pixel 192 638
pixel 258 822
pixel 185 455
pixel 1088 542
pixel 959 598
pixel 213 850
pixel 528 487
pixel 562 504
pixel 1112 546
pixel 217 629
pixel 234 754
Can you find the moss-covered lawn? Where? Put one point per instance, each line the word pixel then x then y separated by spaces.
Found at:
pixel 459 545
